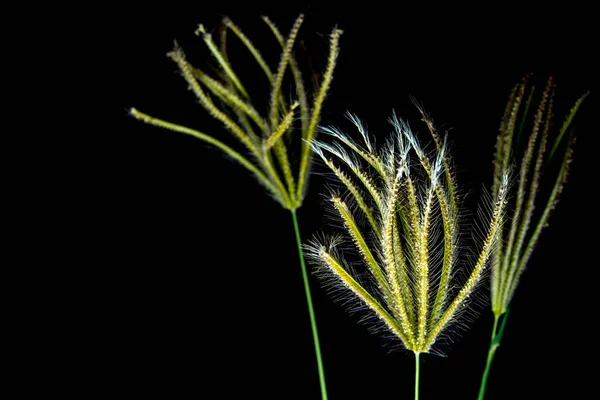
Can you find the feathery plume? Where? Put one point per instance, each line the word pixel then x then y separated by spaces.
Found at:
pixel 409 243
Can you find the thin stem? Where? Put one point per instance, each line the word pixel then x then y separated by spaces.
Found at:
pixel 490 357
pixel 494 344
pixel 417 370
pixel 311 312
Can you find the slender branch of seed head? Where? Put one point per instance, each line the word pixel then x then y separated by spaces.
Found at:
pixel 298 80
pixel 403 275
pixel 422 248
pixel 318 103
pixel 285 124
pixel 370 186
pixel 353 166
pixel 284 163
pixel 241 116
pixel 275 30
pixel 230 98
pixel 223 41
pixel 521 192
pixel 177 56
pixel 558 185
pixel 469 286
pixel 389 221
pixel 280 39
pixel 509 134
pixel 352 188
pixel 228 23
pixel 402 127
pixel 524 117
pixel 567 123
pixel 361 129
pixel 422 266
pixel 413 208
pixel 369 157
pixel 362 294
pixel 245 123
pixel 441 147
pixel 410 219
pixel 530 204
pixel 262 178
pixel 220 59
pixel 501 159
pixel 448 207
pixel 444 202
pixel 267 161
pixel 414 235
pixel 281 152
pixel 552 200
pixel 449 223
pixel 362 246
pixel 283 63
pixel 504 142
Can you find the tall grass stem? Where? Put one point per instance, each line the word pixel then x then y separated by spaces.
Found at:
pixel 494 344
pixel 311 312
pixel 417 370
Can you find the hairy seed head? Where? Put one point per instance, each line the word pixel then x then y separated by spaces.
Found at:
pixel 405 207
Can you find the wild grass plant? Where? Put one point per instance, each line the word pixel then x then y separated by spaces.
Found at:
pixel 543 161
pixel 265 137
pixel 400 207
pixel 408 202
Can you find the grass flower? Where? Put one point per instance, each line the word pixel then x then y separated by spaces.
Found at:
pixel 542 152
pixel 408 200
pixel 265 138
pixel 262 136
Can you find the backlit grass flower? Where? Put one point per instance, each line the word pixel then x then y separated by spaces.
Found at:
pixel 408 244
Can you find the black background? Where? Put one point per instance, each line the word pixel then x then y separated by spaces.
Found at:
pixel 202 295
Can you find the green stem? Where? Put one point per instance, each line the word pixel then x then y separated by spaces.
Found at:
pixel 494 344
pixel 311 312
pixel 417 370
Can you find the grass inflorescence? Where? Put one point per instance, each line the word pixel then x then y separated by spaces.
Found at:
pixel 544 151
pixel 542 146
pixel 265 138
pixel 409 201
